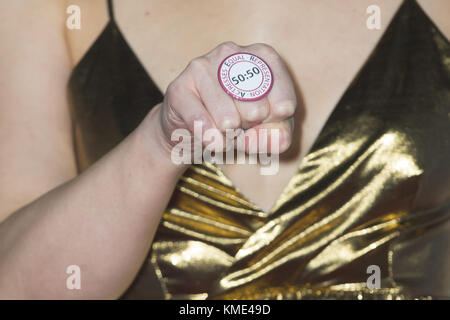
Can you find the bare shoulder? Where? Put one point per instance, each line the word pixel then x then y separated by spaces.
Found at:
pixel 36 150
pixel 32 23
pixel 21 13
pixel 439 12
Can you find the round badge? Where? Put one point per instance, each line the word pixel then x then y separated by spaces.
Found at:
pixel 245 77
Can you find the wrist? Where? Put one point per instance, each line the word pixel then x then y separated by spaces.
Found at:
pixel 147 175
pixel 151 140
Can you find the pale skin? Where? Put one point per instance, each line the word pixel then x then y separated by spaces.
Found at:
pixel 105 218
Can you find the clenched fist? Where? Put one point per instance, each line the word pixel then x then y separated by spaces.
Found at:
pixel 196 96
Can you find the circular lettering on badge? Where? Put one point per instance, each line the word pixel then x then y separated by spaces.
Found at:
pixel 245 77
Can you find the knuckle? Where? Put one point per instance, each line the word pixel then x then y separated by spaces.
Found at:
pixel 284 109
pixel 173 92
pixel 173 87
pixel 256 114
pixel 198 63
pixel 229 122
pixel 193 120
pixel 265 50
pixel 228 46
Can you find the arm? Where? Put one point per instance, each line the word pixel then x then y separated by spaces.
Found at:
pixel 102 220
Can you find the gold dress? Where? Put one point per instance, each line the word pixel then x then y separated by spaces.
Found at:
pixel 373 190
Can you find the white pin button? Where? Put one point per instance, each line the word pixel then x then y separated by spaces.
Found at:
pixel 245 76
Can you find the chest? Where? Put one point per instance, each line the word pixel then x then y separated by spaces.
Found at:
pixel 323 49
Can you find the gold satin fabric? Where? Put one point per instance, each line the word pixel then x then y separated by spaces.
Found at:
pixel 373 190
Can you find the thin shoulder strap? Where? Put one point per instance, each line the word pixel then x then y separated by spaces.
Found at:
pixel 110 10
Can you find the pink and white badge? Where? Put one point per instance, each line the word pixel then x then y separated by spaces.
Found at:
pixel 245 77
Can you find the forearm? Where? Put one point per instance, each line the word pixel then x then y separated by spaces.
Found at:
pixel 103 221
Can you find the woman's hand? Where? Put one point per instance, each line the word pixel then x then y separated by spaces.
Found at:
pixel 196 95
